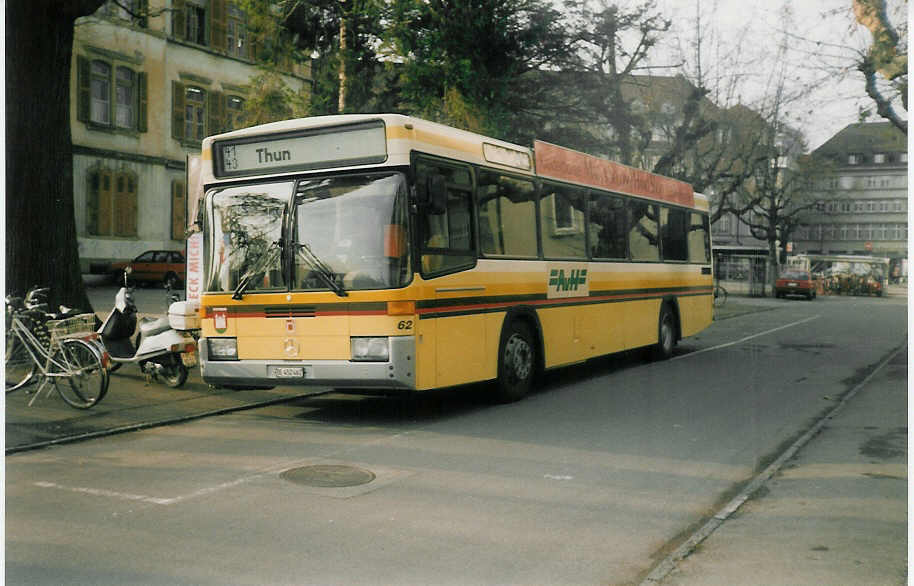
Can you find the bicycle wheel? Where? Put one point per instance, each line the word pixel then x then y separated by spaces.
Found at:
pixel 720 296
pixel 87 380
pixel 18 364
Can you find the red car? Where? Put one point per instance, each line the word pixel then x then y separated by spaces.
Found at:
pixel 795 282
pixel 153 266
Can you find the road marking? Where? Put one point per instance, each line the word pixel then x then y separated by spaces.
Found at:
pixel 746 339
pixel 126 496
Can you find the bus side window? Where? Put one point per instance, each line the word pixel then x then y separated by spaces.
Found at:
pixel 699 239
pixel 562 214
pixel 674 230
pixel 608 227
pixel 446 238
pixel 643 240
pixel 507 215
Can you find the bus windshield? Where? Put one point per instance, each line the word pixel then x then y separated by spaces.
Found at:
pixel 246 232
pixel 351 229
pixel 349 232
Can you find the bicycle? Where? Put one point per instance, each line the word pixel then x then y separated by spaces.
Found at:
pixel 720 295
pixel 44 351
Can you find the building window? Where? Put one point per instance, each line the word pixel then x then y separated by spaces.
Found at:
pixel 234 113
pixel 125 94
pixel 110 95
pixel 111 203
pixel 133 11
pixel 843 232
pixel 198 112
pixel 100 108
pixel 870 206
pixel 859 206
pixel 898 205
pixel 902 157
pixel 845 206
pixel 195 23
pixel 236 32
pixel 194 114
pixel 879 158
pixel 854 159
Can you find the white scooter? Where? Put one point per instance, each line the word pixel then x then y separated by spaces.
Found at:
pixel 159 350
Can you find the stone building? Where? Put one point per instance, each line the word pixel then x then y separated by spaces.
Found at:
pixel 146 86
pixel 864 207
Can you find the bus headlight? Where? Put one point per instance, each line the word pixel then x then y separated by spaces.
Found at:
pixel 370 349
pixel 222 348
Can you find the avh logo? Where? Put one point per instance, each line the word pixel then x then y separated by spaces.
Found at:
pixel 576 278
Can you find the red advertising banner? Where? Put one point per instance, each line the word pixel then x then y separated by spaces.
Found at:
pixel 567 165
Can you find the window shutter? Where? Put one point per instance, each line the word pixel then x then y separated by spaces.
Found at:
pixel 178 210
pixel 177 107
pixel 83 88
pixel 178 20
pixel 128 207
pixel 217 28
pixel 215 109
pixel 105 203
pixel 141 83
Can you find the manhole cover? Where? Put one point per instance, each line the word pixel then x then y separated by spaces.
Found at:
pixel 328 476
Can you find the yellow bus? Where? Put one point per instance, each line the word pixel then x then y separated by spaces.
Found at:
pixel 389 252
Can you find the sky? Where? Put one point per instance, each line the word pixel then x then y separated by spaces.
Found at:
pixel 747 37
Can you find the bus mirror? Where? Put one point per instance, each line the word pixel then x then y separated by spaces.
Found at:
pixel 432 194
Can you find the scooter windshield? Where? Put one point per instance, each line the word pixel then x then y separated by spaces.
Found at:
pixel 246 227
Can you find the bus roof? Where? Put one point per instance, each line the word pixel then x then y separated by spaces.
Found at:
pixel 405 134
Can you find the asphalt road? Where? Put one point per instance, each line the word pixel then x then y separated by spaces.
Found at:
pixel 591 480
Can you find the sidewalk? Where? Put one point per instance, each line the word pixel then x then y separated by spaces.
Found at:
pixel 129 405
pixel 835 514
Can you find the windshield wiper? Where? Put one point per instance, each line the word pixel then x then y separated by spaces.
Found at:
pixel 304 252
pixel 268 257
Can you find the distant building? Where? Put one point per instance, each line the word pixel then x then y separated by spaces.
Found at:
pixel 865 201
pixel 146 86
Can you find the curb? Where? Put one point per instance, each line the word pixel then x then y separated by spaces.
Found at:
pixel 157 423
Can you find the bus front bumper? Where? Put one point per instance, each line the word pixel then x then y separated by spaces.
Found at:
pixel 398 372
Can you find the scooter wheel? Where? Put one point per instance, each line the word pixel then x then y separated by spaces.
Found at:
pixel 175 373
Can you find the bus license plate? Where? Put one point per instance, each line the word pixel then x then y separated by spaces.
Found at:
pixel 288 372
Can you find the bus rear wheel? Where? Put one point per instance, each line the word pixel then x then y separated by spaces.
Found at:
pixel 666 334
pixel 516 362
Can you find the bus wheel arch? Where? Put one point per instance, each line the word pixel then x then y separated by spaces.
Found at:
pixel 669 328
pixel 520 355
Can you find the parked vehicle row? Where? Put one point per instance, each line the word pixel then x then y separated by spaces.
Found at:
pixel 167 267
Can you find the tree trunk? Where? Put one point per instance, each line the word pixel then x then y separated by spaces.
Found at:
pixel 344 54
pixel 41 245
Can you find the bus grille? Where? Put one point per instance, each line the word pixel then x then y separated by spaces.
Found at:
pixel 287 312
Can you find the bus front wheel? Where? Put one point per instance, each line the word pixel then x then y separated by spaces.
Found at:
pixel 516 362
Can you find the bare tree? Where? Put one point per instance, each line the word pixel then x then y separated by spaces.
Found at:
pixel 886 60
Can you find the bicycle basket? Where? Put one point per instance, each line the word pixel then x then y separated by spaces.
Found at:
pixel 79 324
